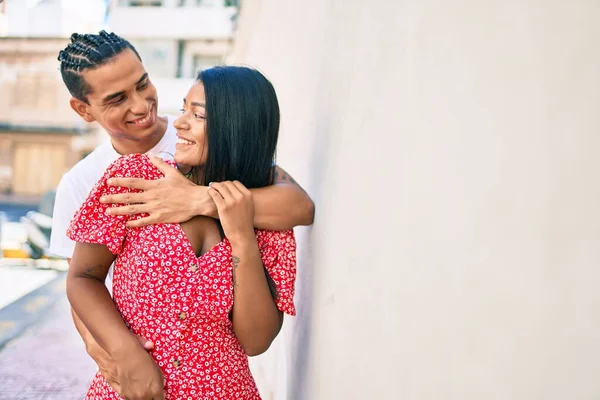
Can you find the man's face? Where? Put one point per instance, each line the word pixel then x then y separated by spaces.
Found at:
pixel 123 101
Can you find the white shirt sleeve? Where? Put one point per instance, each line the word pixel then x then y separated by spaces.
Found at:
pixel 67 202
pixel 69 198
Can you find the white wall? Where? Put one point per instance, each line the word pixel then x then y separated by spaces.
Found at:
pixel 452 148
pixel 52 18
pixel 43 20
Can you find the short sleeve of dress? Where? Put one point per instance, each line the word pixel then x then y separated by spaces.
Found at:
pixel 278 251
pixel 90 224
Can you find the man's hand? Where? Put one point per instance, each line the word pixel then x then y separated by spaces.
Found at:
pixel 171 199
pixel 107 365
pixel 139 376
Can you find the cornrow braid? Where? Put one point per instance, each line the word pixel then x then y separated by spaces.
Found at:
pixel 88 51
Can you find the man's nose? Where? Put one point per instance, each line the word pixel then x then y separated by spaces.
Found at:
pixel 140 105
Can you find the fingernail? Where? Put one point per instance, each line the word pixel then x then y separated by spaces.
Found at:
pixel 110 181
pixel 210 183
pixel 108 212
pixel 102 199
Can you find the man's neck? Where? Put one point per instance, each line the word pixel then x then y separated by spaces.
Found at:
pixel 133 147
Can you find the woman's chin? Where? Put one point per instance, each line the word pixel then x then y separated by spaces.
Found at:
pixel 183 167
pixel 179 159
pixel 185 162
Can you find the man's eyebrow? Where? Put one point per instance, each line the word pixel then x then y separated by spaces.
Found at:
pixel 142 79
pixel 119 94
pixel 113 96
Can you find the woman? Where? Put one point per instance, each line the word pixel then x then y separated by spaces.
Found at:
pixel 208 293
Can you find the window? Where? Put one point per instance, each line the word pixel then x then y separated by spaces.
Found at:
pixel 204 62
pixel 208 3
pixel 144 3
pixel 159 56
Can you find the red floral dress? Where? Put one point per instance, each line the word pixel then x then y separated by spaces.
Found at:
pixel 179 301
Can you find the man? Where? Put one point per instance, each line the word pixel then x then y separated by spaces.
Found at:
pixel 109 85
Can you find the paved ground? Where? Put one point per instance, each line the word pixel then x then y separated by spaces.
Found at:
pixel 46 362
pixel 15 282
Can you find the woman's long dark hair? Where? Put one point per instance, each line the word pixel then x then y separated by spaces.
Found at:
pixel 242 126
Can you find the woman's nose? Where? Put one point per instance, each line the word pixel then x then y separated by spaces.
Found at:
pixel 180 123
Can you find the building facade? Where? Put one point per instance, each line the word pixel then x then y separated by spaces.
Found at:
pixel 40 135
pixel 176 39
pixel 50 18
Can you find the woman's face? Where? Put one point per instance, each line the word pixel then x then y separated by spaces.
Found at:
pixel 192 145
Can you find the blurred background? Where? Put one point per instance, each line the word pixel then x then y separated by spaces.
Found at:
pixel 41 138
pixel 451 148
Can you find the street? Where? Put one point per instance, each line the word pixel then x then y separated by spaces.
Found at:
pixel 42 356
pixel 16 282
pixel 47 361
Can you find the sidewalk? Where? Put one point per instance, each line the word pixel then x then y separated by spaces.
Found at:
pixel 46 362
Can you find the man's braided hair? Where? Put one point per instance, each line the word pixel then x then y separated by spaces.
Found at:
pixel 85 52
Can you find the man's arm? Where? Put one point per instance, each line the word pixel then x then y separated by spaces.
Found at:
pixel 282 205
pixel 174 199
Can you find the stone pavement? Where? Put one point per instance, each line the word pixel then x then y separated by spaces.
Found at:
pixel 47 362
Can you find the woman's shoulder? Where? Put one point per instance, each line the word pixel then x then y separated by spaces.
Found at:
pixel 133 166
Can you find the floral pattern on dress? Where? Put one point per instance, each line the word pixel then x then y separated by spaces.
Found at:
pixel 179 301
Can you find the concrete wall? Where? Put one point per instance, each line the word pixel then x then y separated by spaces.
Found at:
pixel 452 148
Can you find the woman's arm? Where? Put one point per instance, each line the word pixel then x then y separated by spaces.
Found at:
pixel 138 374
pixel 90 298
pixel 256 318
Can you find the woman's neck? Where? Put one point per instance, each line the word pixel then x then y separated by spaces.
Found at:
pixel 195 174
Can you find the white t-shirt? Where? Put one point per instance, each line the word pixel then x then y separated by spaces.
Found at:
pixel 76 184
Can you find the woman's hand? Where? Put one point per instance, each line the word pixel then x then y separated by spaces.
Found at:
pixel 236 210
pixel 256 319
